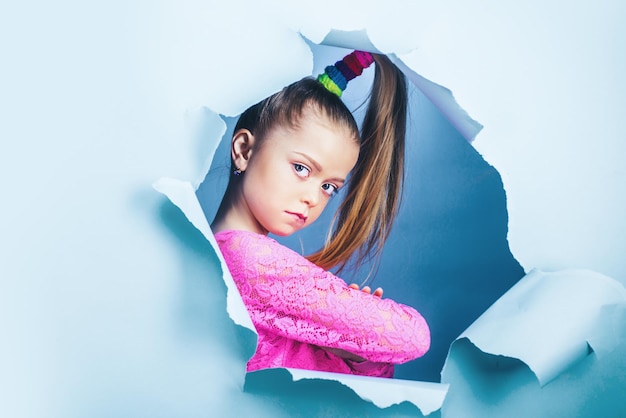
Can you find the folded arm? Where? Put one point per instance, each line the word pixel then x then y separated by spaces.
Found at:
pixel 289 296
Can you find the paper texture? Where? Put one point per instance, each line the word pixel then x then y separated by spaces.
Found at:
pixel 112 304
pixel 428 397
pixel 183 195
pixel 552 320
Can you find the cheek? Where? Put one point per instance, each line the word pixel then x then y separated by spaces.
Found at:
pixel 261 171
pixel 267 184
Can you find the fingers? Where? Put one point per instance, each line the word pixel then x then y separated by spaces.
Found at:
pixel 378 292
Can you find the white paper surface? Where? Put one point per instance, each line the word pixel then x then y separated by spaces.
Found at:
pixel 183 195
pixel 551 320
pixel 427 396
pixel 105 312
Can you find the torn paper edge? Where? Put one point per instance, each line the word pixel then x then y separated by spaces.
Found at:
pixel 426 396
pixel 183 195
pixel 551 320
pixel 441 97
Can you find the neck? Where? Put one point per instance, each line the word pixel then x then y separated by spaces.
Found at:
pixel 233 213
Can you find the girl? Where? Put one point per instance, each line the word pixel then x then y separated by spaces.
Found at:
pixel 290 153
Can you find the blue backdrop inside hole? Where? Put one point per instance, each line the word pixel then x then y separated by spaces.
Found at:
pixel 447 254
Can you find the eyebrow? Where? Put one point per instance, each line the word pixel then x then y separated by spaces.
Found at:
pixel 317 166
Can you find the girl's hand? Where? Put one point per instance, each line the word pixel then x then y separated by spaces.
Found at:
pixel 378 292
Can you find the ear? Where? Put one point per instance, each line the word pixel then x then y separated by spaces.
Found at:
pixel 241 148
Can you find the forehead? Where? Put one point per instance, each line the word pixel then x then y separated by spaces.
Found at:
pixel 332 145
pixel 319 128
pixel 316 119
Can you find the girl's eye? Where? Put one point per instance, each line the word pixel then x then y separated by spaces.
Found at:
pixel 301 170
pixel 329 189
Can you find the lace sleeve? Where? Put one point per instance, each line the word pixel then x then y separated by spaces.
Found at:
pixel 292 297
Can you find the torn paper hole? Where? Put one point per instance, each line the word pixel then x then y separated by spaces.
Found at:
pixel 426 396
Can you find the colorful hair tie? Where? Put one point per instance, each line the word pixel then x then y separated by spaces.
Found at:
pixel 335 77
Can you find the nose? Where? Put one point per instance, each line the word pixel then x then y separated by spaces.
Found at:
pixel 310 196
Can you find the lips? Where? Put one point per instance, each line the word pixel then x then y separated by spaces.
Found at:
pixel 298 216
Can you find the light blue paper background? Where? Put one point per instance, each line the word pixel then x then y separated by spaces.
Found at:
pixel 111 304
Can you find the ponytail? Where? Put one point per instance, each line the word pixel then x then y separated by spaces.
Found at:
pixel 365 217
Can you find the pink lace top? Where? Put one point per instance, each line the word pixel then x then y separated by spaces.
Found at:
pixel 300 311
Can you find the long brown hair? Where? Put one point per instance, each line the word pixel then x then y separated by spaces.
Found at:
pixel 366 215
pixel 364 219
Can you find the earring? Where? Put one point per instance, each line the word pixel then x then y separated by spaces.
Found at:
pixel 237 172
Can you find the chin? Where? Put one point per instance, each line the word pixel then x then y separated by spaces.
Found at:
pixel 284 232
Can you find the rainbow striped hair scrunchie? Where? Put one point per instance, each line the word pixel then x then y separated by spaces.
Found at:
pixel 335 77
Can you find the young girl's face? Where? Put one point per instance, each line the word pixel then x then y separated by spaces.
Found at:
pixel 293 173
